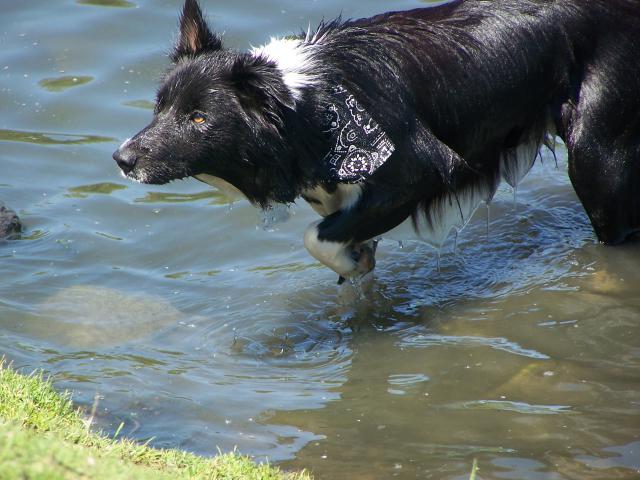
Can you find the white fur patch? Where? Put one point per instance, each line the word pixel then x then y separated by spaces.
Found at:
pixel 454 211
pixel 515 163
pixel 335 255
pixel 343 198
pixel 450 212
pixel 294 59
pixel 132 178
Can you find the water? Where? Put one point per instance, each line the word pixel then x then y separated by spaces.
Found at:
pixel 203 323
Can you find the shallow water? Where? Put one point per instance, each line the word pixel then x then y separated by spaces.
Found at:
pixel 200 323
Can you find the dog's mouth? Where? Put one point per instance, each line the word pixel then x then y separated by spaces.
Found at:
pixel 227 189
pixel 141 169
pixel 133 176
pixel 159 175
pixel 136 165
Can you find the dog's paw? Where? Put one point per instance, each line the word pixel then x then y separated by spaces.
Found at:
pixel 364 254
pixel 347 260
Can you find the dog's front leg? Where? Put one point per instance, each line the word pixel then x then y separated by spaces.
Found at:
pixel 346 258
pixel 343 241
pixel 424 171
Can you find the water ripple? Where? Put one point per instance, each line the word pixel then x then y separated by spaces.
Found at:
pixel 507 406
pixel 497 343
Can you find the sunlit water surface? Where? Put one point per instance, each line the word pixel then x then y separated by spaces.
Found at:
pixel 199 323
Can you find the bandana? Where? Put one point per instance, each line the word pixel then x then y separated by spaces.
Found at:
pixel 361 146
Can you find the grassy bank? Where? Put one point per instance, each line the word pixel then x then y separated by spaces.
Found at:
pixel 43 436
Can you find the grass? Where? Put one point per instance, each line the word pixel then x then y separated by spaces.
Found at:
pixel 474 469
pixel 42 436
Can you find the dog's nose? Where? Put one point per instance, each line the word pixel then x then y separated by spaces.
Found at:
pixel 126 159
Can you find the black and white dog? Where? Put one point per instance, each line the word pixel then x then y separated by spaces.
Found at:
pixel 415 114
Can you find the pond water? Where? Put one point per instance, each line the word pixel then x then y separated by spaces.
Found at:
pixel 202 324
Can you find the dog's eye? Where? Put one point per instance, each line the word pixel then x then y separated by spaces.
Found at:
pixel 198 118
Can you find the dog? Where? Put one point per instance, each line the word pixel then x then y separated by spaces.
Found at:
pixel 412 114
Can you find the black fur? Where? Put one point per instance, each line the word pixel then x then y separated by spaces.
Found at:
pixel 457 87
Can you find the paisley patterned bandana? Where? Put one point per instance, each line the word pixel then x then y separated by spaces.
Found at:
pixel 361 146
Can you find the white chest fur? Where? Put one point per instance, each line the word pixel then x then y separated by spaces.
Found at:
pixel 325 203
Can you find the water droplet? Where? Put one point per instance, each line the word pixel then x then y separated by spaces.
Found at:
pixel 455 242
pixel 488 207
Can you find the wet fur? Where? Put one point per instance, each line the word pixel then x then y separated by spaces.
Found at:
pixel 467 91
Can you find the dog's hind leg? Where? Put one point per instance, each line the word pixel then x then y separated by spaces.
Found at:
pixel 602 133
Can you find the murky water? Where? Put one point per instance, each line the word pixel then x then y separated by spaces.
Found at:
pixel 199 323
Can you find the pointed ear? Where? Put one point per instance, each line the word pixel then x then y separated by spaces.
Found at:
pixel 260 87
pixel 195 36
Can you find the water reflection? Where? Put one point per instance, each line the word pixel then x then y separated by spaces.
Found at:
pixel 144 104
pixel 105 188
pixel 43 138
pixel 60 84
pixel 214 197
pixel 107 3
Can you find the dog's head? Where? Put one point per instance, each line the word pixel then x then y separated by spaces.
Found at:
pixel 218 112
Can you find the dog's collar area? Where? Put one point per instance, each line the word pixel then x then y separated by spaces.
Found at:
pixel 360 146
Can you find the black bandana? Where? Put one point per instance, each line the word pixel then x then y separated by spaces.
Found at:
pixel 361 146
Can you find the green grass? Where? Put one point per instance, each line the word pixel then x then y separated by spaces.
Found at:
pixel 42 436
pixel 474 469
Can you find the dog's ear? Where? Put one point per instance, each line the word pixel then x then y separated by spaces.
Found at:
pixel 195 36
pixel 260 87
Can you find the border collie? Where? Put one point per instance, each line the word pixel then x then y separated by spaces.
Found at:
pixel 414 113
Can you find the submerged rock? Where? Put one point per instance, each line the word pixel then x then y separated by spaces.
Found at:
pixel 10 226
pixel 87 316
